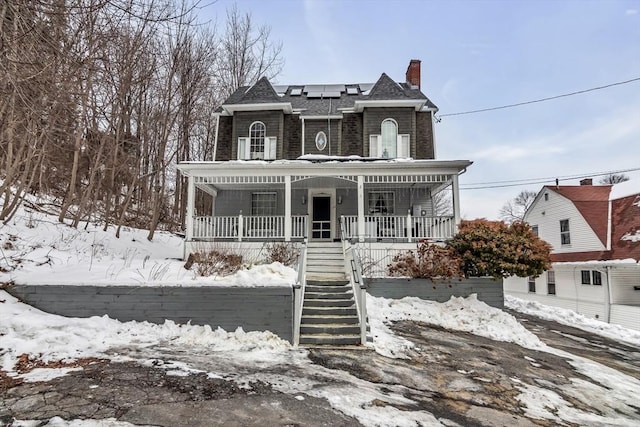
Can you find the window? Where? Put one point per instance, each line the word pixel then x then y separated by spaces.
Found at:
pixel 591 277
pixel 381 202
pixel 532 284
pixel 257 145
pixel 263 204
pixel 546 197
pixel 551 282
pixel 389 131
pixel 565 237
pixel 389 144
pixel 257 133
pixel 321 141
pixel 597 278
pixel 534 228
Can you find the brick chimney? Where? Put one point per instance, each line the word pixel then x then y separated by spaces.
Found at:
pixel 413 73
pixel 586 181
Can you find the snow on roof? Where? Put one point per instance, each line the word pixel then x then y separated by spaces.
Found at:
pixel 624 189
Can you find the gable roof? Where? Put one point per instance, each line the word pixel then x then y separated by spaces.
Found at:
pixel 625 227
pixel 331 102
pixel 592 201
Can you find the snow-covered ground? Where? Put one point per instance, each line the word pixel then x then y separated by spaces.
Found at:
pixel 35 250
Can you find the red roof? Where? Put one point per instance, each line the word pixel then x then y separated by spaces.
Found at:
pixel 592 201
pixel 625 227
pixel 581 256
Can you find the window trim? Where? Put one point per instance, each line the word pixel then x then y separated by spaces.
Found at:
pixel 585 277
pixel 531 283
pixel 596 278
pixel 403 142
pixel 321 133
pixel 565 234
pixel 551 282
pixel 262 143
pixel 370 208
pixel 255 208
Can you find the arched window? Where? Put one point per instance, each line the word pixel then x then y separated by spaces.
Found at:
pixel 389 133
pixel 257 133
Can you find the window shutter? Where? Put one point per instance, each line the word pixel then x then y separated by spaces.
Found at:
pixel 374 145
pixel 403 146
pixel 270 147
pixel 243 147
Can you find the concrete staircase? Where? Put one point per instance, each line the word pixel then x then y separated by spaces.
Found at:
pixel 325 261
pixel 329 314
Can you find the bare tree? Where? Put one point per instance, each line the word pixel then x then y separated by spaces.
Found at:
pixel 247 53
pixel 614 178
pixel 515 209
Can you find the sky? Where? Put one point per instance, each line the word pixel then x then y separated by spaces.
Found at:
pixel 483 54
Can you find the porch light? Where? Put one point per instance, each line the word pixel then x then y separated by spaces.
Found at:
pixel 339 200
pixel 304 200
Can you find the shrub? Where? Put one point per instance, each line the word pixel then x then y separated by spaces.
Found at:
pixel 214 262
pixel 429 261
pixel 285 253
pixel 493 248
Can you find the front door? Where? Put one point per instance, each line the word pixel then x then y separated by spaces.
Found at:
pixel 321 217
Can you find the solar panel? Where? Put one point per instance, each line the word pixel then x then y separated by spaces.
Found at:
pixel 313 88
pixel 334 88
pixel 332 94
pixel 314 94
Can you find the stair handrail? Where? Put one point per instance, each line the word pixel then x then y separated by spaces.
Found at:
pixel 354 272
pixel 298 292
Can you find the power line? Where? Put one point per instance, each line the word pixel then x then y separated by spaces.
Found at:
pixel 519 182
pixel 539 100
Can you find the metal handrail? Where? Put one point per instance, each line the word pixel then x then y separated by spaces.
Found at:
pixel 354 271
pixel 298 290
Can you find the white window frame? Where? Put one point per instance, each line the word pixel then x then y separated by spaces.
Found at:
pixel 402 142
pixel 564 233
pixel 319 135
pixel 371 208
pixel 244 146
pixel 262 205
pixel 551 282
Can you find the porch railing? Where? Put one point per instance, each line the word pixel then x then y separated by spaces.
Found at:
pixel 247 227
pixel 298 292
pixel 400 227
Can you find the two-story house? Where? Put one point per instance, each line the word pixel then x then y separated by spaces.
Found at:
pixel 330 162
pixel 594 231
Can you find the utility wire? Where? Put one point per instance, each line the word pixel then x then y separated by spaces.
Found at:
pixel 520 182
pixel 539 100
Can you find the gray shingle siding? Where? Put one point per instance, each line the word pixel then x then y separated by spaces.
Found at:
pixel 292 140
pixel 311 129
pixel 225 132
pixel 351 144
pixel 424 146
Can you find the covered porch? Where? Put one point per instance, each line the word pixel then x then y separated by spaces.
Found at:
pixel 397 201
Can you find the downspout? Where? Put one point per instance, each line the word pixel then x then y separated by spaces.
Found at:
pixel 609 227
pixel 608 293
pixel 329 126
pixel 302 118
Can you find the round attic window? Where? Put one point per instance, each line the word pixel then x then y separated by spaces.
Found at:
pixel 321 141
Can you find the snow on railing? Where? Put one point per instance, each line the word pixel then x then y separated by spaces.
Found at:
pixel 298 292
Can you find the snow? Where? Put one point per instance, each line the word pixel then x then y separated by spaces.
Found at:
pixel 571 318
pixel 55 253
pixel 624 189
pixel 39 250
pixel 59 422
pixel 635 237
pixel 460 314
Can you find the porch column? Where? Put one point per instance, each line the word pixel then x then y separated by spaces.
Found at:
pixel 188 221
pixel 361 208
pixel 456 202
pixel 287 208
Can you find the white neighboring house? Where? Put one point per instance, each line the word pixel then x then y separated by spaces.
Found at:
pixel 594 231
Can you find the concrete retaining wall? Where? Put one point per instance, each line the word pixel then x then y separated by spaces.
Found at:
pixel 488 290
pixel 254 309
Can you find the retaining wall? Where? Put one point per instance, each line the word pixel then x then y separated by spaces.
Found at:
pixel 488 290
pixel 254 309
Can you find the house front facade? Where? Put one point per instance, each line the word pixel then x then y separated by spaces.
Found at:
pixel 594 231
pixel 332 162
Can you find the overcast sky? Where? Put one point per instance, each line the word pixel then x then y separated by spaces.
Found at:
pixel 481 54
